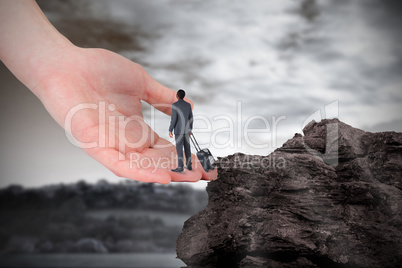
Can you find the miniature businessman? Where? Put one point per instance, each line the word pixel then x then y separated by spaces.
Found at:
pixel 182 123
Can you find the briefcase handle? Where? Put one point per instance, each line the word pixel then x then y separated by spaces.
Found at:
pixel 194 141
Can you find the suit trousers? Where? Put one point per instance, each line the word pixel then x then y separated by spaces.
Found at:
pixel 183 140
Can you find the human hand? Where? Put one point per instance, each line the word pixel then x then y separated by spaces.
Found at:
pixel 171 134
pixel 65 77
pixel 99 76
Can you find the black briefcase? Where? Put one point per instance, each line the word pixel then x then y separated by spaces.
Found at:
pixel 204 155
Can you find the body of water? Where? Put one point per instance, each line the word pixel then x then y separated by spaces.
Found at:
pixel 168 218
pixel 135 260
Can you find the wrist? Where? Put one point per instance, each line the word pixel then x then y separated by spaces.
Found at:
pixel 49 63
pixel 30 43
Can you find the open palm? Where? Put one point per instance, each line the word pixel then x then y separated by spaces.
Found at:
pixel 96 96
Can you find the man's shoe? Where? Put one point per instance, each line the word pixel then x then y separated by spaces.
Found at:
pixel 189 167
pixel 177 170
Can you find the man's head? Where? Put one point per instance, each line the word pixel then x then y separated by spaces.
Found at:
pixel 180 94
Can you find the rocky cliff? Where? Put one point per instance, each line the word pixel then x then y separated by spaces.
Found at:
pixel 330 198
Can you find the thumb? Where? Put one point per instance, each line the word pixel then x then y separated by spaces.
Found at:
pixel 159 96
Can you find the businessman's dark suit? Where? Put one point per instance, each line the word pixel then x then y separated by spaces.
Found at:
pixel 182 123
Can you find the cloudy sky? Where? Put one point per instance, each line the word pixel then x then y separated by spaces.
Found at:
pixel 243 64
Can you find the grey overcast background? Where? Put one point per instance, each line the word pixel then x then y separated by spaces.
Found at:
pixel 273 58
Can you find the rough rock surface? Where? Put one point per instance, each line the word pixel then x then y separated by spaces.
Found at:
pixel 330 198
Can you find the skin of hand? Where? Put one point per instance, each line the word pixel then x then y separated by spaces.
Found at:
pixel 63 76
pixel 171 134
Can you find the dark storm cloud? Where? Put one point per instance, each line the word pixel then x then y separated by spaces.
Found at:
pixel 381 16
pixel 90 24
pixel 308 9
pixel 386 14
pixel 301 108
pixel 386 17
pixel 394 125
pixel 357 44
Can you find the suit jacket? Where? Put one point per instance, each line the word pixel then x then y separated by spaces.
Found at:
pixel 182 118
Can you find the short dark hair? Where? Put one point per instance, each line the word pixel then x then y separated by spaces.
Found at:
pixel 181 93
